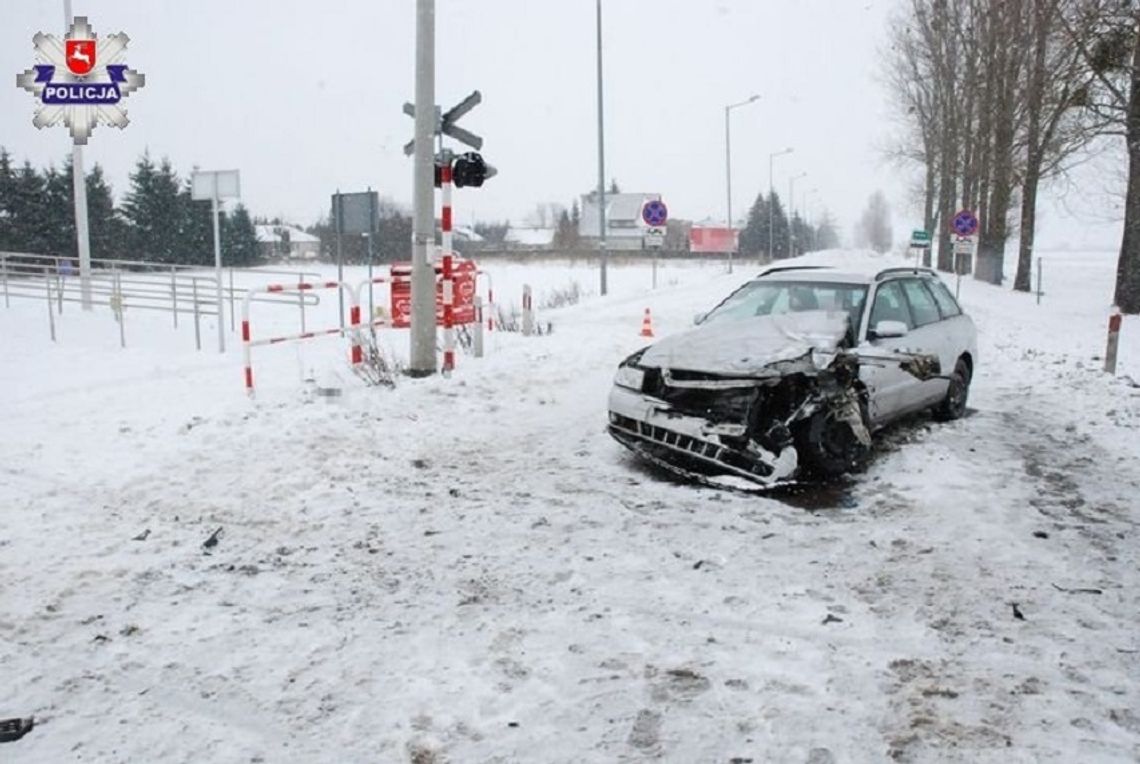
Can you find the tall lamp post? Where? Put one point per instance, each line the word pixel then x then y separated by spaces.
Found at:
pixel 728 166
pixel 601 163
pixel 792 206
pixel 771 217
pixel 79 189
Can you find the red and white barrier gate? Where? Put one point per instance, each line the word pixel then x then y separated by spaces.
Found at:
pixel 455 305
pixel 248 343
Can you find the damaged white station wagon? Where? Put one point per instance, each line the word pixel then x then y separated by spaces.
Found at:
pixel 796 369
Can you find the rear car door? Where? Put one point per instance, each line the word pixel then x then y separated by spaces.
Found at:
pixel 928 336
pixel 959 330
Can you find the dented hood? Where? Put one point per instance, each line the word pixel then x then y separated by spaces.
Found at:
pixel 746 346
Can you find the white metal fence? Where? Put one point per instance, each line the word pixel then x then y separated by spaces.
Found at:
pixel 180 290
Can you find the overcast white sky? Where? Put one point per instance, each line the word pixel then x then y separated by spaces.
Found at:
pixel 305 97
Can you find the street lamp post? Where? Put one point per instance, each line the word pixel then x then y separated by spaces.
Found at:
pixel 771 217
pixel 79 190
pixel 728 166
pixel 601 163
pixel 792 206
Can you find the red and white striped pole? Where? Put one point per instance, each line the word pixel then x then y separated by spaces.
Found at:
pixel 245 349
pixel 1114 321
pixel 354 321
pixel 448 282
pixel 490 305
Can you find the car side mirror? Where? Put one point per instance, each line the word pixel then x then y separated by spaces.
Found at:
pixel 697 319
pixel 885 330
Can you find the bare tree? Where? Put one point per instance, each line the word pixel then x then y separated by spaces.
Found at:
pixel 993 101
pixel 874 228
pixel 1058 124
pixel 1112 54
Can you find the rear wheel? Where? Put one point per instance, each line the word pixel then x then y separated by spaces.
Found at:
pixel 953 406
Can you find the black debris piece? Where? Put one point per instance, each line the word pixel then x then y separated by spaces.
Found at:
pixel 14 729
pixel 212 541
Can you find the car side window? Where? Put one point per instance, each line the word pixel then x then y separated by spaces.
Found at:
pixel 921 301
pixel 946 302
pixel 890 305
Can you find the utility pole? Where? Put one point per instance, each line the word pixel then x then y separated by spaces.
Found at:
pixel 728 167
pixel 422 352
pixel 771 215
pixel 79 189
pixel 601 162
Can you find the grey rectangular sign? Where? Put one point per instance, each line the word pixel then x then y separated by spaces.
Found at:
pixel 356 212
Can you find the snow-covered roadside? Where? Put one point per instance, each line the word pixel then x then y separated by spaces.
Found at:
pixel 471 569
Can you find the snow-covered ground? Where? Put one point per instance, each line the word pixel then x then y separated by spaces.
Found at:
pixel 469 569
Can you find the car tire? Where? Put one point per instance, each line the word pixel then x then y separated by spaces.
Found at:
pixel 953 406
pixel 827 448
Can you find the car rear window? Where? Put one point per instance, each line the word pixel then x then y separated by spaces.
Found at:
pixel 922 304
pixel 946 302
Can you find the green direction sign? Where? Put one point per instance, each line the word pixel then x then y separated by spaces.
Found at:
pixel 919 238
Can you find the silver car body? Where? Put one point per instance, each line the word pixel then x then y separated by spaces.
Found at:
pixel 748 351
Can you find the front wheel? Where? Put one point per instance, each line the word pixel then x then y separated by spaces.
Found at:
pixel 829 446
pixel 953 406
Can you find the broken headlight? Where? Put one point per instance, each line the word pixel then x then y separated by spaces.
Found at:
pixel 630 377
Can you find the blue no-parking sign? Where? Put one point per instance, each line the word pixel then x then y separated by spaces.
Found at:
pixel 965 223
pixel 655 213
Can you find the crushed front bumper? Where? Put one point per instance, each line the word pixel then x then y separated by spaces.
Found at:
pixel 642 423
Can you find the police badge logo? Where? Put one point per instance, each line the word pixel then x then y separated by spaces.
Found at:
pixel 82 82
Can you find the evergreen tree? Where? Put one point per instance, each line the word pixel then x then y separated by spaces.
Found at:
pixel 803 236
pixel 58 212
pixel 239 239
pixel 576 220
pixel 564 233
pixel 154 209
pixel 104 227
pixel 754 237
pixel 779 227
pixel 7 194
pixel 28 213
pixel 196 229
pixel 827 233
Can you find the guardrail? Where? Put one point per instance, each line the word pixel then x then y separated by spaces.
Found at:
pixel 120 284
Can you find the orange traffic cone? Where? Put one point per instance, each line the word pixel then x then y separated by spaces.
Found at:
pixel 647 325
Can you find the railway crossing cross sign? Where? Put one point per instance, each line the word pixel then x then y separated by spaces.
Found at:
pixel 445 123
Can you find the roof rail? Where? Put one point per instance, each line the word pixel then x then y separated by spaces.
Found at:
pixel 781 268
pixel 915 269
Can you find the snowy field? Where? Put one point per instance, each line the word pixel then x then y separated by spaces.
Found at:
pixel 470 569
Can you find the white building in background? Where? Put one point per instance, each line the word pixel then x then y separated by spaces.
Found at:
pixel 524 237
pixel 286 242
pixel 625 229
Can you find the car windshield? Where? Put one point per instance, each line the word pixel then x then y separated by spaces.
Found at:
pixel 766 298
